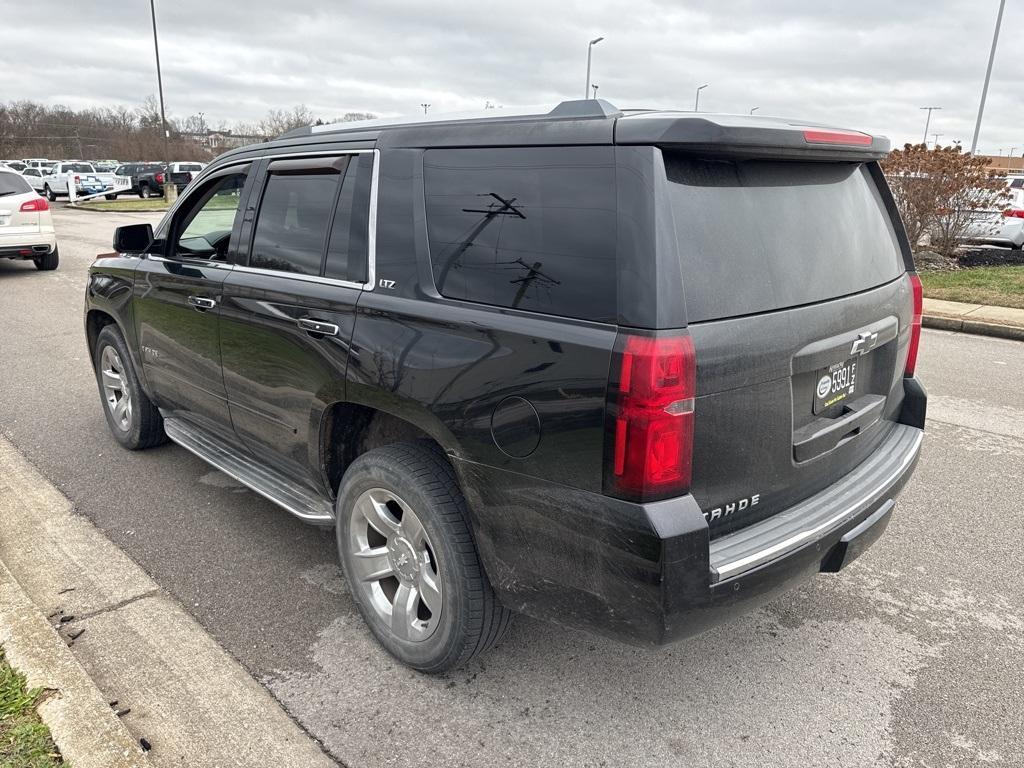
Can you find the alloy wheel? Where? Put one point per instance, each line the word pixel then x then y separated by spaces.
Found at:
pixel 115 388
pixel 393 564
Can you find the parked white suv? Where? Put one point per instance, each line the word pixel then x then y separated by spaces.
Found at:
pixel 26 228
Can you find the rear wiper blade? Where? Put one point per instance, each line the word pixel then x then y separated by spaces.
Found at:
pixel 5 194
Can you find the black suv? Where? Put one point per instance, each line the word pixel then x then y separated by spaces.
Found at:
pixel 628 371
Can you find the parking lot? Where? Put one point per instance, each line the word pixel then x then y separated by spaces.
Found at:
pixel 911 657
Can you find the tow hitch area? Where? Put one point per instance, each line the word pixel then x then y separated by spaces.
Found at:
pixel 857 540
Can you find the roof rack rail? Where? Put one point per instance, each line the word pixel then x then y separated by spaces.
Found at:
pixel 580 109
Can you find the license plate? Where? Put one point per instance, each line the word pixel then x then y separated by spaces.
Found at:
pixel 835 384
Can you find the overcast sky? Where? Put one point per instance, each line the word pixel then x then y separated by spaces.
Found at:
pixel 868 64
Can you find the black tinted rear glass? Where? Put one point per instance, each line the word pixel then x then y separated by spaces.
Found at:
pixel 529 228
pixel 757 235
pixel 13 184
pixel 291 231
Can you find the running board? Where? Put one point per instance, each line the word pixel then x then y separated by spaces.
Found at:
pixel 267 482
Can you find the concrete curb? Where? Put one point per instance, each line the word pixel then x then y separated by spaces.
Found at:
pixel 1002 322
pixel 187 696
pixel 83 726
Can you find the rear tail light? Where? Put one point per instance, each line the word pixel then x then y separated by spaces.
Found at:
pixel 1014 213
pixel 649 448
pixel 78 179
pixel 159 178
pixel 915 324
pixel 38 204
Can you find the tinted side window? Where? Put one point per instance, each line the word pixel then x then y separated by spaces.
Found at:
pixel 529 228
pixel 347 248
pixel 291 231
pixel 13 184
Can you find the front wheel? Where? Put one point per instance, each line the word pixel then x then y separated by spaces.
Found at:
pixel 133 419
pixel 110 197
pixel 144 192
pixel 50 194
pixel 408 554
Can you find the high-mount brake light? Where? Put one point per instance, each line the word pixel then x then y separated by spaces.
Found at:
pixel 917 294
pixel 852 138
pixel 651 415
pixel 38 204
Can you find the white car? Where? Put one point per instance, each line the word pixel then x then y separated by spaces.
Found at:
pixel 34 177
pixel 1005 227
pixel 26 228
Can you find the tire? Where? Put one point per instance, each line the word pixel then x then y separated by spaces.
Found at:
pixel 433 546
pixel 110 197
pixel 144 192
pixel 48 262
pixel 140 424
pixel 50 194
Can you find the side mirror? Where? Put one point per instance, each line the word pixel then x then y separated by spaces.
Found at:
pixel 134 238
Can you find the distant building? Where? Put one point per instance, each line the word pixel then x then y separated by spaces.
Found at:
pixel 1004 164
pixel 219 141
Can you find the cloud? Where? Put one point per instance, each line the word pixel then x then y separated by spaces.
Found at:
pixel 868 65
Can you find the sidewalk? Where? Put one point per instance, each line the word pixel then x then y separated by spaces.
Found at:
pixel 129 641
pixel 1004 322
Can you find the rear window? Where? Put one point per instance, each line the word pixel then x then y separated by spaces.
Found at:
pixel 760 235
pixel 526 228
pixel 13 184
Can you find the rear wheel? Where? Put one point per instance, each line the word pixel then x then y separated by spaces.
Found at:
pixel 408 555
pixel 133 419
pixel 145 192
pixel 47 262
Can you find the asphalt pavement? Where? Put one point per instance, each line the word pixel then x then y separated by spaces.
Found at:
pixel 911 657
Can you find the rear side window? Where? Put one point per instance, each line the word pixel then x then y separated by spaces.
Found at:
pixel 13 184
pixel 526 228
pixel 757 235
pixel 315 221
pixel 292 227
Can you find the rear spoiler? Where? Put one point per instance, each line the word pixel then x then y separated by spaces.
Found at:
pixel 741 136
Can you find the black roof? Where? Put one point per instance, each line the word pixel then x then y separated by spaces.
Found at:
pixel 595 121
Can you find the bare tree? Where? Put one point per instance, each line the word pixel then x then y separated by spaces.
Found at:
pixel 939 191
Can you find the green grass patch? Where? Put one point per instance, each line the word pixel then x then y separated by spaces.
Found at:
pixel 997 286
pixel 24 741
pixel 153 204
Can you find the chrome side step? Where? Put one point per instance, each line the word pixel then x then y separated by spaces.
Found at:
pixel 265 481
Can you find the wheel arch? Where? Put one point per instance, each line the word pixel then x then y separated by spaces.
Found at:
pixel 349 429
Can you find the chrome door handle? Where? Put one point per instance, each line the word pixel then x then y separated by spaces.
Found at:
pixel 318 327
pixel 202 303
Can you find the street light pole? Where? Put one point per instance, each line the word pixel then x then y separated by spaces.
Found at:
pixel 425 107
pixel 696 100
pixel 590 47
pixel 754 109
pixel 935 142
pixel 1009 159
pixel 159 84
pixel 988 75
pixel 594 86
pixel 927 122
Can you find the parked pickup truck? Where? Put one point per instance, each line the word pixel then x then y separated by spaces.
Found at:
pixel 150 181
pixel 87 180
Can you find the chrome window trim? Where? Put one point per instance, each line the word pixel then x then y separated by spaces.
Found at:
pixel 194 262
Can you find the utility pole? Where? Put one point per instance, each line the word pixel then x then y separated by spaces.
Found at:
pixel 160 84
pixel 425 108
pixel 590 47
pixel 1008 161
pixel 696 100
pixel 927 122
pixel 988 76
pixel 935 143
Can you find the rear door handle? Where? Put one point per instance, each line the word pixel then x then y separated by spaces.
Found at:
pixel 202 303
pixel 317 327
